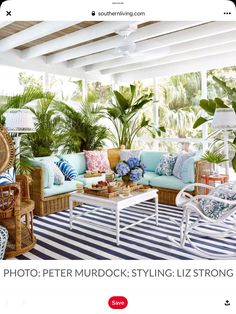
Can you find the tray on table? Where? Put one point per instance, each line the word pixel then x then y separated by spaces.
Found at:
pixel 92 175
pixel 101 193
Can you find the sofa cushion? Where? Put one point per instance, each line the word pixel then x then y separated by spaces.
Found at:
pixel 215 209
pixel 68 186
pixel 168 182
pixel 188 170
pixel 147 177
pixel 76 160
pixel 151 159
pixel 166 165
pixel 69 172
pixel 89 181
pixel 97 160
pixel 8 176
pixel 181 158
pixel 48 174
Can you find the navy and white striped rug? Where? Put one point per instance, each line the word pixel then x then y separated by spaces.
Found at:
pixel 145 241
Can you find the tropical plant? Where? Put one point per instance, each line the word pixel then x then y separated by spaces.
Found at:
pixel 44 141
pixel 214 157
pixel 125 115
pixel 79 130
pixel 210 106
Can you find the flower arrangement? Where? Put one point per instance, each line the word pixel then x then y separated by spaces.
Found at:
pixel 130 170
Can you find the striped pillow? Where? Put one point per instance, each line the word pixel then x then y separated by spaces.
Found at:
pixel 8 177
pixel 68 171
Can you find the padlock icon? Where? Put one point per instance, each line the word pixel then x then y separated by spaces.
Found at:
pixel 93 13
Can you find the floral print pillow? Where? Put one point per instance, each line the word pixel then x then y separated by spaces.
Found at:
pixel 97 160
pixel 215 209
pixel 166 165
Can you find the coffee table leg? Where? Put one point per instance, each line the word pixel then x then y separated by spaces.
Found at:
pixel 156 208
pixel 71 213
pixel 117 227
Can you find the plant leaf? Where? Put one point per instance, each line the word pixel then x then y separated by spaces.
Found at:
pixel 219 103
pixel 199 122
pixel 208 105
pixel 123 103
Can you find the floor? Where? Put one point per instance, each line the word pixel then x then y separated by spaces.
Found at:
pixel 145 241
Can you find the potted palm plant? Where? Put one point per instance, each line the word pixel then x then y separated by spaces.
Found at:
pixel 125 113
pixel 215 158
pixel 79 129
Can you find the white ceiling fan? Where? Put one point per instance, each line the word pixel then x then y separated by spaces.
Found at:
pixel 127 47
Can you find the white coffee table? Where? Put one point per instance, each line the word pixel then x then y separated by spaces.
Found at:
pixel 116 204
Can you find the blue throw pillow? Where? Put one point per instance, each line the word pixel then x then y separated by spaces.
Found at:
pixel 166 165
pixel 8 177
pixel 68 171
pixel 215 209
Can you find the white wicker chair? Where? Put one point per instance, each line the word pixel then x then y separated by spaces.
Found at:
pixel 195 221
pixel 3 241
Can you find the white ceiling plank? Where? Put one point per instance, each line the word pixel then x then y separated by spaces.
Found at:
pixel 86 34
pixel 91 59
pixel 5 23
pixel 13 58
pixel 32 33
pixel 174 58
pixel 198 32
pixel 112 42
pixel 204 63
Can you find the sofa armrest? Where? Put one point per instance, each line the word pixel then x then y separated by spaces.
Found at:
pixel 37 184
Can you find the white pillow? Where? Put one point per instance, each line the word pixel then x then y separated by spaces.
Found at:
pixel 125 154
pixel 59 178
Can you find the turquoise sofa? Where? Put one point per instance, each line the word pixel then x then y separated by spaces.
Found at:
pixel 50 198
pixel 168 186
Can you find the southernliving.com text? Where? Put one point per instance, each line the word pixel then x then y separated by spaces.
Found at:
pixel 121 13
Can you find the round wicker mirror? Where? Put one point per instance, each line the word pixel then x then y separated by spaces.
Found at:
pixel 7 150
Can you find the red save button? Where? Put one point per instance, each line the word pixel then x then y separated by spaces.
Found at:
pixel 118 303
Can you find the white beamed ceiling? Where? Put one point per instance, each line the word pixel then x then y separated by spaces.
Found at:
pixel 162 48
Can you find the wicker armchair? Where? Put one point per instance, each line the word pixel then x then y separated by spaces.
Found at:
pixel 3 241
pixel 16 215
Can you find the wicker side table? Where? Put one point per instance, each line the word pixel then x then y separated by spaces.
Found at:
pixel 3 241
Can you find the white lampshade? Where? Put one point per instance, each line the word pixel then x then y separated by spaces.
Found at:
pixel 224 119
pixel 19 121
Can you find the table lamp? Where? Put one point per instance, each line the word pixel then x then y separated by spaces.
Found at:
pixel 225 119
